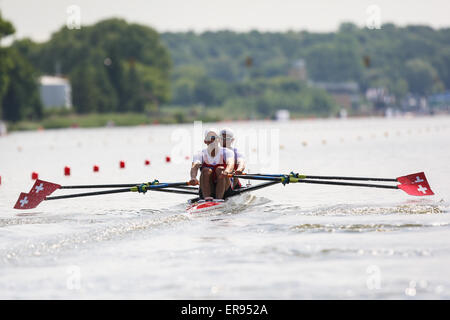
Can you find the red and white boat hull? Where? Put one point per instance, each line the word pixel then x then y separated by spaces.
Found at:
pixel 205 206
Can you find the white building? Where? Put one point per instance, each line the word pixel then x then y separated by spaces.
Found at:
pixel 55 92
pixel 282 115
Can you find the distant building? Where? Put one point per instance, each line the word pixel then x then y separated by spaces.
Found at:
pixel 345 94
pixel 381 99
pixel 439 102
pixel 282 115
pixel 55 92
pixel 415 104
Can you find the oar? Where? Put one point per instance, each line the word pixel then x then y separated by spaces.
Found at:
pixel 303 176
pixel 42 189
pixel 291 179
pixel 410 188
pixel 133 189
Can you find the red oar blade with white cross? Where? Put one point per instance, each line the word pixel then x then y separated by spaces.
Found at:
pixel 40 190
pixel 27 201
pixel 415 184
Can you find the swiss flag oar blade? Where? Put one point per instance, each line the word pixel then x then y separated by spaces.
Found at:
pixel 415 184
pixel 42 188
pixel 416 190
pixel 37 194
pixel 27 201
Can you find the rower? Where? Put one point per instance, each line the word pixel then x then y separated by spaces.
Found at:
pixel 215 163
pixel 227 139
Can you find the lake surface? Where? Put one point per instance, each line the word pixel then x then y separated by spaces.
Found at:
pixel 299 241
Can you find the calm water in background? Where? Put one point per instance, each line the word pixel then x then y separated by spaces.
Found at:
pixel 299 241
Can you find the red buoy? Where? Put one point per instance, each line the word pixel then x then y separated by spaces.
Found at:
pixel 167 159
pixel 34 175
pixel 147 162
pixel 67 171
pixel 122 164
pixel 96 168
pixel 0 180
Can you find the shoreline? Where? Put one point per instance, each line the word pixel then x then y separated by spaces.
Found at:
pixel 136 119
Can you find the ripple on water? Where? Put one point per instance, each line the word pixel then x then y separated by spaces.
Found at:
pixel 344 209
pixel 371 227
pixel 57 243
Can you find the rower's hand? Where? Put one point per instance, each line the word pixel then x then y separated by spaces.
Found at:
pixel 226 173
pixel 193 182
pixel 238 172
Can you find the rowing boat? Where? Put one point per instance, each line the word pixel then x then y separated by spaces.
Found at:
pixel 198 205
pixel 413 184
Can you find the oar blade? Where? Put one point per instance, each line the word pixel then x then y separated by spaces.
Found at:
pixel 415 184
pixel 416 190
pixel 27 201
pixel 42 188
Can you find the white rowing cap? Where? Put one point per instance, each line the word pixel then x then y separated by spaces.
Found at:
pixel 227 132
pixel 209 133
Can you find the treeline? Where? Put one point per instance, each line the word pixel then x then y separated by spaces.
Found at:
pixel 112 66
pixel 412 59
pixel 19 96
pixel 115 66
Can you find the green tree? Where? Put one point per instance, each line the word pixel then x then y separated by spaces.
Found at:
pixel 104 51
pixel 6 29
pixel 421 76
pixel 21 99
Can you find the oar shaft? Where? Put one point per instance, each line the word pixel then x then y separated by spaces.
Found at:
pixel 349 184
pixel 295 180
pixel 93 186
pixel 87 194
pixel 99 186
pixel 331 177
pixel 351 178
pixel 133 187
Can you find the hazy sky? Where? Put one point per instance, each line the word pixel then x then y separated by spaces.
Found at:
pixel 37 19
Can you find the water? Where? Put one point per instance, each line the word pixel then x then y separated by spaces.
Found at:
pixel 299 241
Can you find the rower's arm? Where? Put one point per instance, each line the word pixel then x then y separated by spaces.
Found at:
pixel 240 165
pixel 194 170
pixel 230 166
